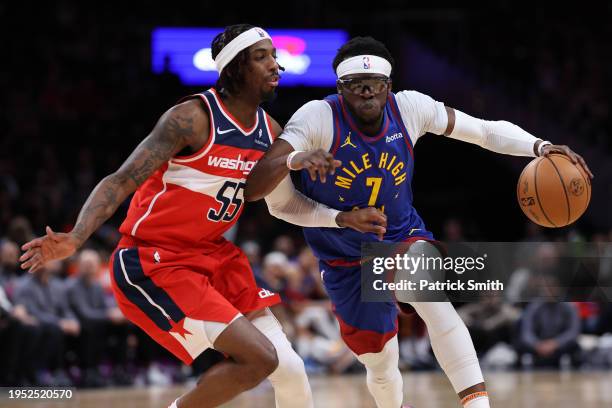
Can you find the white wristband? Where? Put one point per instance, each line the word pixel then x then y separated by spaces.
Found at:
pixel 290 157
pixel 544 143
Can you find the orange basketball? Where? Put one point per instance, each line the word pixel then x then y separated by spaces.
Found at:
pixel 552 191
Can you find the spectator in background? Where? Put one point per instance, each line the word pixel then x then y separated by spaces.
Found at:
pixel 276 271
pixel 9 259
pixel 9 266
pixel 253 252
pixel 18 337
pixel 317 338
pixel 43 296
pixel 18 332
pixel 524 282
pixel 286 245
pixel 490 321
pixel 86 298
pixel 20 231
pixel 548 331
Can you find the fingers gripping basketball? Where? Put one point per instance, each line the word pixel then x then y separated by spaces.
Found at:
pixel 552 191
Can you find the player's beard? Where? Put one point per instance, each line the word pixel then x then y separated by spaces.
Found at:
pixel 268 96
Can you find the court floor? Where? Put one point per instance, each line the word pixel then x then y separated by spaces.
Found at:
pixel 423 390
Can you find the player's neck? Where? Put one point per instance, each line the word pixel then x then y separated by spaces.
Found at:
pixel 241 107
pixel 369 129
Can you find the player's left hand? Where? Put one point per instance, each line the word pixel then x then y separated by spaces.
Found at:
pixel 574 157
pixel 41 250
pixel 364 220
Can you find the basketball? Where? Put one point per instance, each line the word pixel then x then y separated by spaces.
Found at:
pixel 552 191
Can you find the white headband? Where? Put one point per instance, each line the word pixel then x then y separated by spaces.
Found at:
pixel 364 64
pixel 244 40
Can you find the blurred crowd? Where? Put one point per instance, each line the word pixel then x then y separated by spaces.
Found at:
pixel 61 326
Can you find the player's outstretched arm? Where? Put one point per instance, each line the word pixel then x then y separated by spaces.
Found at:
pixel 181 126
pixel 504 137
pixel 288 204
pixel 280 159
pixel 274 166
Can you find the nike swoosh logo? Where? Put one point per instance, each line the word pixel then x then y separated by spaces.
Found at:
pixel 220 132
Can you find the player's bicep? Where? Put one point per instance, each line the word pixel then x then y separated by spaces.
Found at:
pixel 179 127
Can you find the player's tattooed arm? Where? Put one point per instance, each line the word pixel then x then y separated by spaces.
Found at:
pixel 184 125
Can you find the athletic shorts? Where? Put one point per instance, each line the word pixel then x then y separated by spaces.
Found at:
pixel 185 300
pixel 365 327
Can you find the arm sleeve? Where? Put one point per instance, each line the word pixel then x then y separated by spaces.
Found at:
pixel 421 114
pixel 288 204
pixel 498 136
pixel 310 127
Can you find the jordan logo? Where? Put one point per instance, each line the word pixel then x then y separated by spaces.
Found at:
pixel 347 141
pixel 156 257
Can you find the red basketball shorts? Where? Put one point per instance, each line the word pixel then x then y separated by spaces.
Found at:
pixel 185 300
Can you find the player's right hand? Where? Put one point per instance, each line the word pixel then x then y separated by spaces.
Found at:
pixel 317 162
pixel 44 249
pixel 364 220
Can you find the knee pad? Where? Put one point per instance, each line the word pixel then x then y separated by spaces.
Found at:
pixel 288 360
pixel 385 360
pixel 291 388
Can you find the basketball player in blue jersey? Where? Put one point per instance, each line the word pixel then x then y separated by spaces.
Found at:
pixel 371 132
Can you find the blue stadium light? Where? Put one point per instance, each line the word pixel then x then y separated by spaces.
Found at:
pixel 306 54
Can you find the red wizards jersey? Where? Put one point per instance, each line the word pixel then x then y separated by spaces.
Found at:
pixel 189 202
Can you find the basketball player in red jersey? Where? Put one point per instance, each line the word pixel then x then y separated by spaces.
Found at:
pixel 173 273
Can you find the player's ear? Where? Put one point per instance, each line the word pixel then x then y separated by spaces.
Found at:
pixel 390 86
pixel 338 87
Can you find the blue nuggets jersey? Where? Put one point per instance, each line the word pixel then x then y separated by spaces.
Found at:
pixel 376 172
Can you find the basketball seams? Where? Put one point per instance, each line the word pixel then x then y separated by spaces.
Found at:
pixel 582 173
pixel 548 190
pixel 535 186
pixel 569 211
